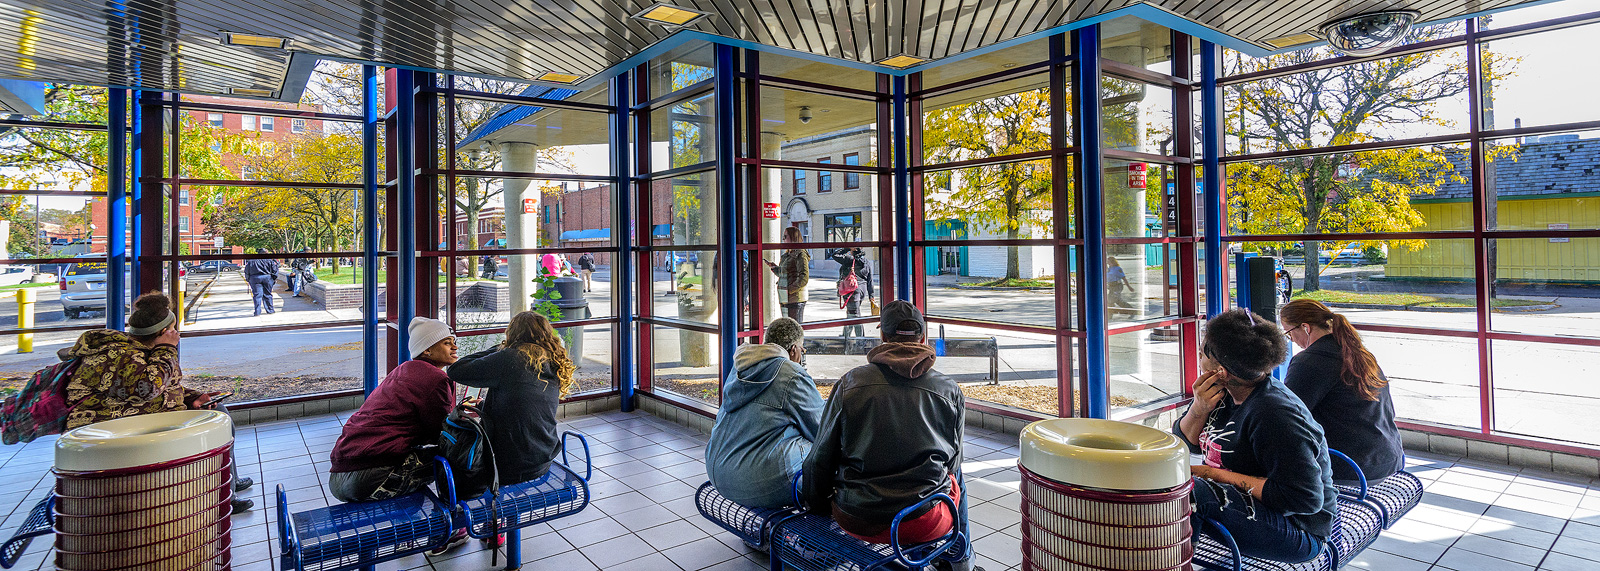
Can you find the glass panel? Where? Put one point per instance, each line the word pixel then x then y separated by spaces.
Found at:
pixel 593 364
pixel 1005 118
pixel 688 216
pixel 331 361
pixel 1133 200
pixel 1136 42
pixel 1134 274
pixel 684 285
pixel 1419 283
pixel 800 126
pixel 545 213
pixel 1419 189
pixel 683 133
pixel 1136 116
pixel 685 363
pixel 1542 390
pixel 1403 97
pixel 525 138
pixel 978 286
pixel 1526 14
pixel 219 297
pixel 821 216
pixel 1145 367
pixel 1543 183
pixel 684 66
pixel 1432 379
pixel 488 298
pixel 1012 201
pixel 1315 49
pixel 1546 286
pixel 945 73
pixel 1530 78
pixel 1023 373
pixel 816 72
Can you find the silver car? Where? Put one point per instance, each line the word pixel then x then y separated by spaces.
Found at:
pixel 83 288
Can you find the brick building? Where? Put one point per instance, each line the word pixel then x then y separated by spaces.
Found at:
pixel 261 132
pixel 583 216
pixel 490 228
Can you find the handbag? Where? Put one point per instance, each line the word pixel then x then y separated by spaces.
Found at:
pixel 875 309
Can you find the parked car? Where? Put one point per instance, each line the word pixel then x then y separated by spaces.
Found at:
pixel 83 288
pixel 13 275
pixel 213 266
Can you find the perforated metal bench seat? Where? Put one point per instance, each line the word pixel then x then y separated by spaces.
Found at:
pixel 560 492
pixel 816 543
pixel 38 523
pixel 1395 495
pixel 1355 528
pixel 751 525
pixel 349 536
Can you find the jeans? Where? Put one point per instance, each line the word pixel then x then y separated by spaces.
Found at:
pixel 383 482
pixel 795 311
pixel 852 308
pixel 1260 531
pixel 261 292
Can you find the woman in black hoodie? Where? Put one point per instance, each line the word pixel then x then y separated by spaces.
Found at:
pixel 526 376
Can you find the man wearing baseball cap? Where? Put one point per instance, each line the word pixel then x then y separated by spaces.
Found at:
pixel 890 437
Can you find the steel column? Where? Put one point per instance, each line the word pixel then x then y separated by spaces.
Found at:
pixel 1211 116
pixel 116 203
pixel 1482 212
pixel 727 274
pixel 902 191
pixel 622 277
pixel 1061 202
pixel 1086 84
pixel 148 207
pixel 136 192
pixel 406 185
pixel 369 232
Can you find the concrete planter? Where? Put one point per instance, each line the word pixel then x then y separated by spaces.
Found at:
pixel 486 296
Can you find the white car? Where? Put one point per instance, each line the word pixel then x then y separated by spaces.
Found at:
pixel 13 275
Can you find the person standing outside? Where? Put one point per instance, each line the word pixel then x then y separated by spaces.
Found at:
pixel 853 262
pixel 586 270
pixel 794 272
pixel 1116 283
pixel 260 274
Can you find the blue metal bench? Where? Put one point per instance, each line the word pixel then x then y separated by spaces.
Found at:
pixel 1356 525
pixel 360 535
pixel 751 525
pixel 39 523
pixel 1394 496
pixel 813 542
pixel 561 492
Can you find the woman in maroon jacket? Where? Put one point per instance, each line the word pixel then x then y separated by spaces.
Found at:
pixel 374 457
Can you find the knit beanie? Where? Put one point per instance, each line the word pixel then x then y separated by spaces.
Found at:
pixel 425 332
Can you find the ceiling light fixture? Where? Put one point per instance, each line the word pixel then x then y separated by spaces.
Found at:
pixel 252 92
pixel 254 41
pixel 902 61
pixel 669 15
pixel 555 77
pixel 1295 40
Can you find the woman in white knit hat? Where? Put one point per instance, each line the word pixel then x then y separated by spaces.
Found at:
pixel 373 459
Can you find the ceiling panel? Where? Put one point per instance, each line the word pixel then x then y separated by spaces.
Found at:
pixel 175 44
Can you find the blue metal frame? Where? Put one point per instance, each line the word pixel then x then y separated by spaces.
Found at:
pixel 622 261
pixel 727 106
pixel 116 207
pixel 369 234
pixel 1086 79
pixel 406 214
pixel 1211 178
pixel 902 191
pixel 136 242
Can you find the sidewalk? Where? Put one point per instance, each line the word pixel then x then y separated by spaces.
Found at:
pixel 227 305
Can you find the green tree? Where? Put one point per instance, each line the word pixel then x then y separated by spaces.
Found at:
pixel 1013 198
pixel 1344 192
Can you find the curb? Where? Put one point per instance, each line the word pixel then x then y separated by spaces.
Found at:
pixel 1522 309
pixel 997 288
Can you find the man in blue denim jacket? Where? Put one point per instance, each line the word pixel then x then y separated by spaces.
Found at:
pixel 770 412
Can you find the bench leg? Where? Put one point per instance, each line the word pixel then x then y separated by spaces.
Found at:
pixel 994 369
pixel 514 549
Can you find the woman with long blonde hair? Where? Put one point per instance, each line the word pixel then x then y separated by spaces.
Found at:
pixel 1340 381
pixel 526 376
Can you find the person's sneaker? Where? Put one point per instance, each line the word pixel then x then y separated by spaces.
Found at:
pixel 243 504
pixel 457 539
pixel 494 542
pixel 242 484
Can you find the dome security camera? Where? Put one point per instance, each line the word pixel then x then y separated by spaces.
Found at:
pixel 1368 34
pixel 805 114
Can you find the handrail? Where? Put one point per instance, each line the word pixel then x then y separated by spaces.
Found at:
pixel 588 467
pixel 940 547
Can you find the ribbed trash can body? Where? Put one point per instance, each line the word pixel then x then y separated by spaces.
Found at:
pixel 1102 495
pixel 145 492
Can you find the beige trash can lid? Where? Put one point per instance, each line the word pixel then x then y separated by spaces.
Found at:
pixel 142 440
pixel 1105 454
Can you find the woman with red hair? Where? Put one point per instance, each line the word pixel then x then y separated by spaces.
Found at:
pixel 1340 381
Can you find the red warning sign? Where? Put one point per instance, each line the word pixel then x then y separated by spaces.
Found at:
pixel 1136 175
pixel 530 205
pixel 769 210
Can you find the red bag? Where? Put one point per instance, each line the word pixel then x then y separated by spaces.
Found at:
pixel 847 286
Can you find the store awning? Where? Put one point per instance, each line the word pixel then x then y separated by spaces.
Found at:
pixel 593 234
pixel 661 231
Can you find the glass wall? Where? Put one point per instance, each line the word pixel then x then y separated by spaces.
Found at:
pixel 1456 231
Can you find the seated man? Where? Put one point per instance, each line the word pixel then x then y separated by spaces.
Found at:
pixel 1266 475
pixel 890 437
pixel 770 411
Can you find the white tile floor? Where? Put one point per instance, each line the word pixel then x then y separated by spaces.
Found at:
pixel 1474 518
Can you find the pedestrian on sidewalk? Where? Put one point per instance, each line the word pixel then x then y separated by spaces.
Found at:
pixel 794 272
pixel 261 274
pixel 586 270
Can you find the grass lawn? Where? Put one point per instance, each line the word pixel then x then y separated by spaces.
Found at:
pixel 1406 299
pixel 1018 282
pixel 26 285
pixel 349 276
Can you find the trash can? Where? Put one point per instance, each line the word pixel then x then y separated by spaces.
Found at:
pixel 145 492
pixel 1102 494
pixel 573 306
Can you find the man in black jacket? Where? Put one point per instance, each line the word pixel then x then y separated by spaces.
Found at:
pixel 261 274
pixel 890 437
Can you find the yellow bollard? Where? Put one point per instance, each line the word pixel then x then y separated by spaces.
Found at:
pixel 25 298
pixel 180 309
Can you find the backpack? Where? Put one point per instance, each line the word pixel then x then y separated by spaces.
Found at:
pixel 465 445
pixel 40 408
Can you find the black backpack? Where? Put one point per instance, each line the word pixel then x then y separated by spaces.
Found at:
pixel 465 444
